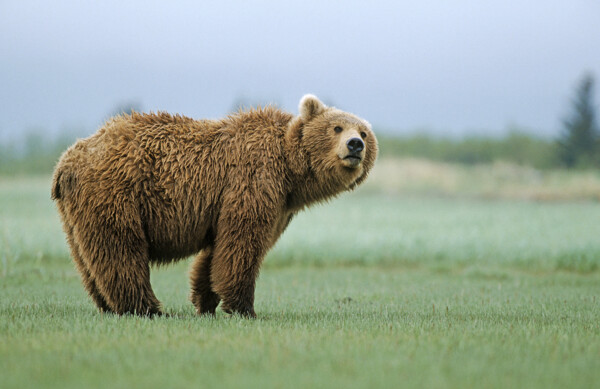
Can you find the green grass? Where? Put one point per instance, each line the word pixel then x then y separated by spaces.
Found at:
pixel 367 291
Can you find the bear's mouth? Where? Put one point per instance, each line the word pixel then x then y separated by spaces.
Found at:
pixel 353 157
pixel 353 160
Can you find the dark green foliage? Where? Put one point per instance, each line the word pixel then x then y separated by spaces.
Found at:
pixel 517 147
pixel 578 144
pixel 36 153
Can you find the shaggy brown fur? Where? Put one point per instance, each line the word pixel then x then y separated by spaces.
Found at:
pixel 154 188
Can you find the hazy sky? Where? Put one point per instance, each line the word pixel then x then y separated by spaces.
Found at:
pixel 451 66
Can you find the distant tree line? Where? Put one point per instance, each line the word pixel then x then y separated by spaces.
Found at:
pixel 578 145
pixel 38 153
pixel 35 153
pixel 517 147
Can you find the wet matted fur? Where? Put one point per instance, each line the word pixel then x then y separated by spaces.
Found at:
pixel 154 188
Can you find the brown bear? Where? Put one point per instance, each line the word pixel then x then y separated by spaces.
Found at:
pixel 154 188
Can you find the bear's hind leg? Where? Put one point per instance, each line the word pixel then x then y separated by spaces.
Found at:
pixel 118 263
pixel 203 297
pixel 88 281
pixel 86 278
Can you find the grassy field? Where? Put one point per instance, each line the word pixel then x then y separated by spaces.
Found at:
pixel 371 290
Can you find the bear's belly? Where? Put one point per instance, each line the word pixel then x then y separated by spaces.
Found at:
pixel 170 241
pixel 171 253
pixel 169 250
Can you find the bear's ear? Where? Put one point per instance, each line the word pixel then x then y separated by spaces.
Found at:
pixel 310 106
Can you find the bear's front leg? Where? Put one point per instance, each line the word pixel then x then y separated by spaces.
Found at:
pixel 245 230
pixel 234 271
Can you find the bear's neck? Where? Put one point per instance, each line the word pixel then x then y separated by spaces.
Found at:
pixel 309 189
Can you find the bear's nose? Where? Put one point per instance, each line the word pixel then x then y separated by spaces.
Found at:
pixel 355 145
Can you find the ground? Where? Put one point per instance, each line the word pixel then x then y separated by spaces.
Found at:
pixel 431 292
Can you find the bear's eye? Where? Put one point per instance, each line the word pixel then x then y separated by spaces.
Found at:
pixel 363 134
pixel 338 129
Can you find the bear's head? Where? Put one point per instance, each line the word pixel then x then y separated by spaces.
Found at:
pixel 338 148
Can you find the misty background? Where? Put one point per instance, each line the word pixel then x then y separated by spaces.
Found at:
pixel 447 68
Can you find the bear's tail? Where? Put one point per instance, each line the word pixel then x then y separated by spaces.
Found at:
pixel 62 180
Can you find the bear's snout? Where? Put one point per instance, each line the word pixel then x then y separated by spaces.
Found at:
pixel 353 157
pixel 355 145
